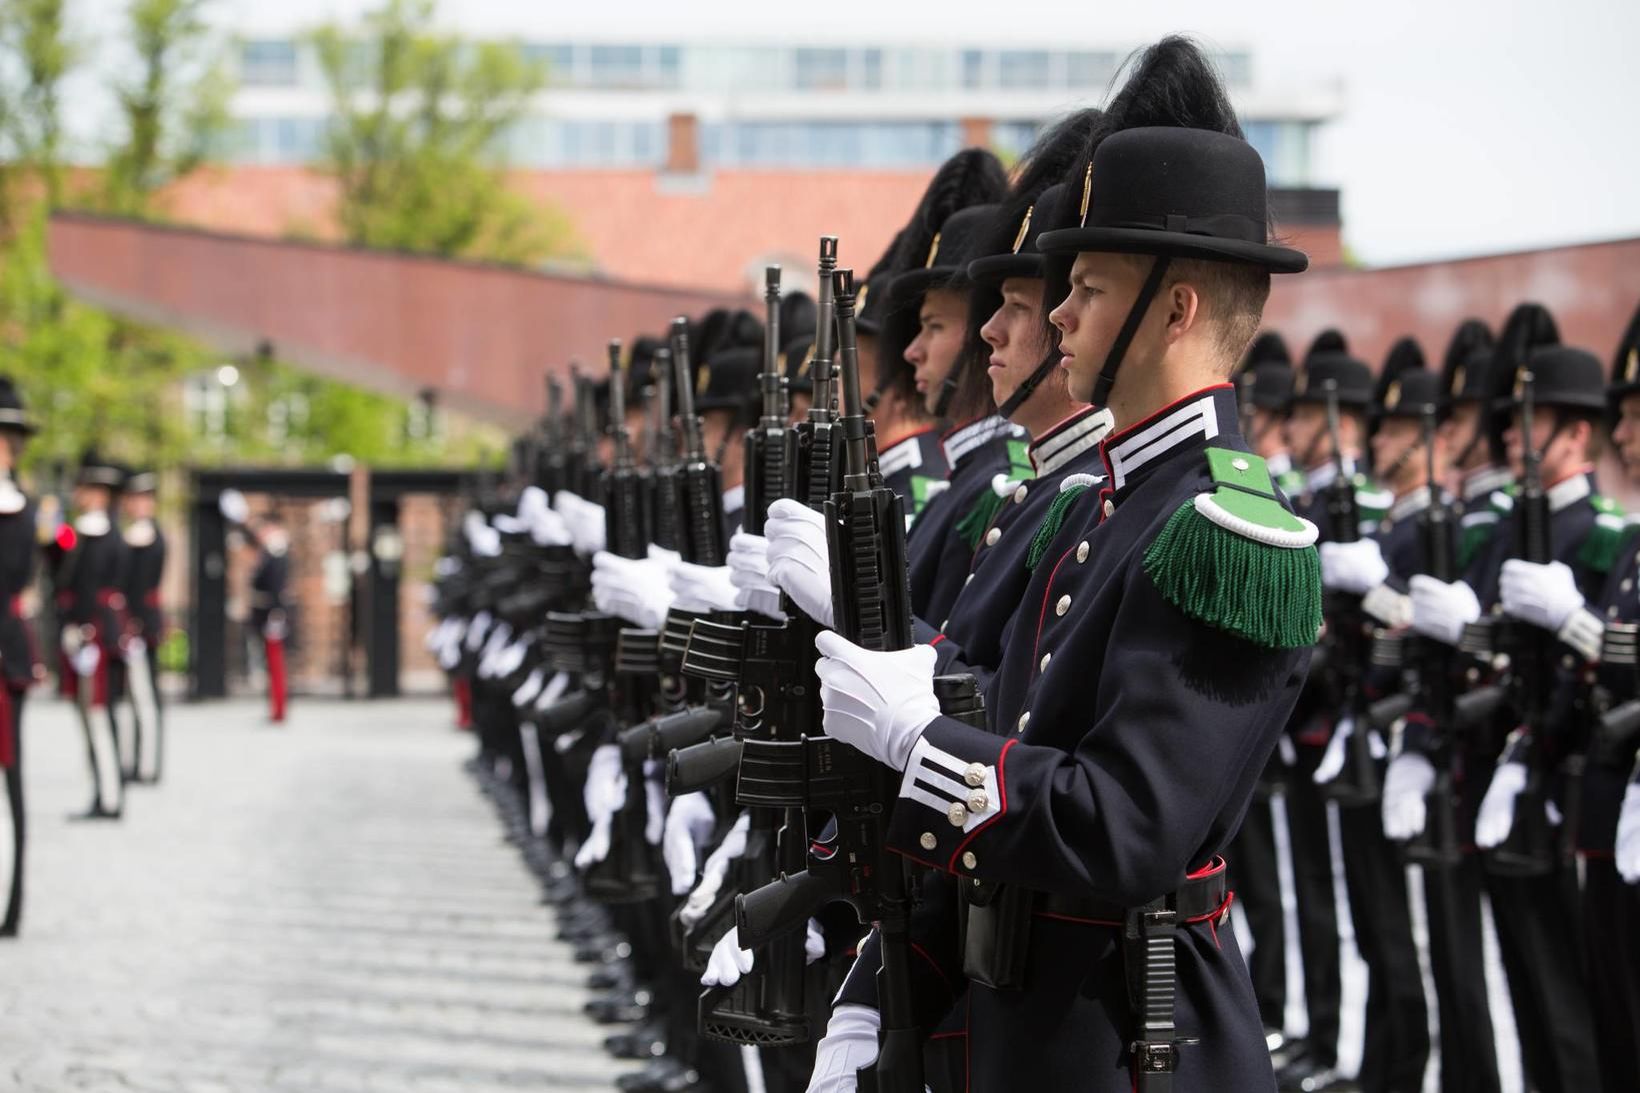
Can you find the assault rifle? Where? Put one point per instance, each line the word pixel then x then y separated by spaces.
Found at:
pixel 1347 635
pixel 871 598
pixel 1529 849
pixel 766 448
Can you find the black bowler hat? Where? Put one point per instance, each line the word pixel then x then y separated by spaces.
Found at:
pixel 1468 364
pixel 1626 363
pixel 1269 386
pixel 1563 377
pixel 1023 259
pixel 1405 356
pixel 799 315
pixel 640 369
pixel 798 360
pixel 955 245
pixel 728 380
pixel 1328 359
pixel 1185 193
pixel 1529 327
pixel 1414 392
pixel 871 294
pixel 97 471
pixel 141 482
pixel 13 414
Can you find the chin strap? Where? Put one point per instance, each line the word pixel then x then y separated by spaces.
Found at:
pixel 1130 327
pixel 1028 387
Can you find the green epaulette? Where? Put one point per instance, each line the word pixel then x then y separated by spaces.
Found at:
pixel 1291 481
pixel 1236 559
pixel 1604 542
pixel 1474 534
pixel 1069 491
pixel 980 515
pixel 923 489
pixel 1373 502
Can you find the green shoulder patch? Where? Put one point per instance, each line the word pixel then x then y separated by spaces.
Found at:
pixel 1604 543
pixel 1237 559
pixel 1373 502
pixel 973 523
pixel 1291 481
pixel 923 489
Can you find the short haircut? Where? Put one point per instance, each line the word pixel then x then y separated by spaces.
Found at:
pixel 1233 296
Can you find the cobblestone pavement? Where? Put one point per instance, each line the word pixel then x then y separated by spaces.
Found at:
pixel 323 907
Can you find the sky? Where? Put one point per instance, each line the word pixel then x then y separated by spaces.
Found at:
pixel 1467 127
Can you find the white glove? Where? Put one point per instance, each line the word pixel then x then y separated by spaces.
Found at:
pixel 476 629
pixel 1628 835
pixel 729 961
pixel 712 874
pixel 689 824
pixel 878 703
pixel 604 794
pixel 86 658
pixel 635 589
pixel 1356 567
pixel 509 658
pixel 1407 783
pixel 702 588
pixel 530 689
pixel 1497 815
pixel 849 1044
pixel 749 573
pixel 1441 610
pixel 798 561
pixel 547 528
pixel 1543 595
pixel 584 519
pixel 1332 760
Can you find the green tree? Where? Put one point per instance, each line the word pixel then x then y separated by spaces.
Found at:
pixel 34 37
pixel 419 119
pixel 173 106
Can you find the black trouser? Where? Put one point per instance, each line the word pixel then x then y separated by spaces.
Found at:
pixel 1256 880
pixel 1614 987
pixel 18 824
pixel 1395 1052
pixel 1457 962
pixel 1317 905
pixel 1539 941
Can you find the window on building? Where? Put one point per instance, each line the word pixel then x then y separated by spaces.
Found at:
pixel 1085 71
pixel 615 66
pixel 1013 138
pixel 820 69
pixel 1022 69
pixel 871 69
pixel 973 69
pixel 829 144
pixel 267 62
pixel 668 67
pixel 558 60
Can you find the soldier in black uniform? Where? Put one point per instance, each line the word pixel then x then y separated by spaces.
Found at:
pixel 89 580
pixel 1139 697
pixel 1536 915
pixel 145 543
pixel 18 661
pixel 270 614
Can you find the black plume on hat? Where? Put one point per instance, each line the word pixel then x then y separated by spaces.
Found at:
pixel 1009 247
pixel 1467 363
pixel 1269 347
pixel 798 315
pixel 1528 327
pixel 1171 83
pixel 973 176
pixel 1626 362
pixel 1391 396
pixel 1330 340
pixel 871 294
pixel 1328 359
pixel 640 369
pixel 1265 376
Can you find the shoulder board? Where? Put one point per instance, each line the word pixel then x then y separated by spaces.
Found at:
pixel 922 490
pixel 1475 530
pixel 1020 466
pixel 1605 506
pixel 1235 558
pixel 972 524
pixel 1372 501
pixel 1601 546
pixel 1291 482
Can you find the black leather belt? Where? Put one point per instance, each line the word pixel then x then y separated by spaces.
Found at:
pixel 1200 898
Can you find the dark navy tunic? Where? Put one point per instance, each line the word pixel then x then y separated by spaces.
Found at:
pixel 939 557
pixel 1132 736
pixel 914 468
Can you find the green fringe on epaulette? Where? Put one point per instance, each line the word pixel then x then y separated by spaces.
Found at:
pixel 1474 537
pixel 1269 595
pixel 978 517
pixel 1604 543
pixel 1051 523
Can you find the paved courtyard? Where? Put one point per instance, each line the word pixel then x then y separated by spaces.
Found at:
pixel 323 907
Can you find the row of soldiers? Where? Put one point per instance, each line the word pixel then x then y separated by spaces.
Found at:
pixel 104 581
pixel 888 731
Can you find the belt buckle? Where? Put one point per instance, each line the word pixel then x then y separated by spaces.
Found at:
pixel 1155 1056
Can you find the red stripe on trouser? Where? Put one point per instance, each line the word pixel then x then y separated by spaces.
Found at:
pixel 462 689
pixel 276 677
pixel 8 730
